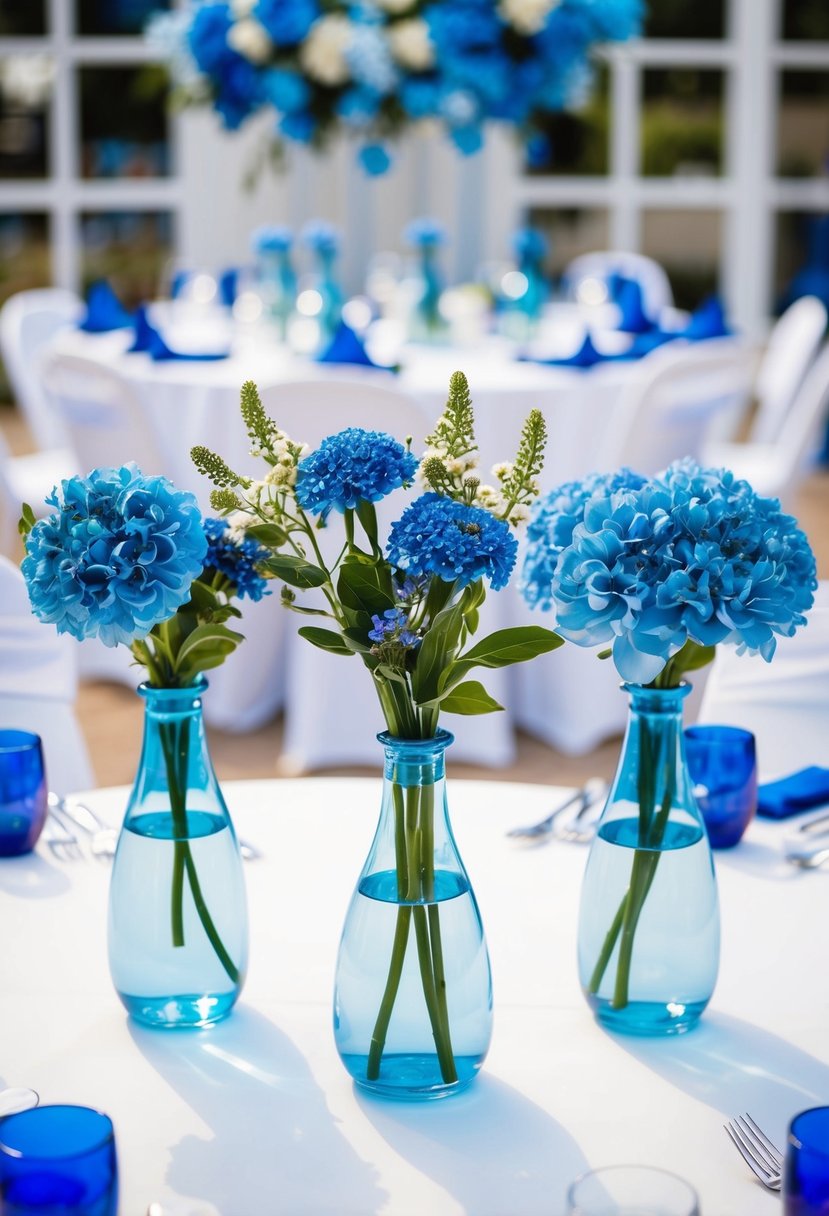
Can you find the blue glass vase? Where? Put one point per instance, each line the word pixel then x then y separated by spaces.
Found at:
pixel 413 995
pixel 649 928
pixel 427 324
pixel 178 933
pixel 331 296
pixel 277 287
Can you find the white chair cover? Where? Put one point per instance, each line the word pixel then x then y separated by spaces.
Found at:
pixel 792 345
pixel 38 683
pixel 654 282
pixel 29 321
pixel 331 708
pixel 785 703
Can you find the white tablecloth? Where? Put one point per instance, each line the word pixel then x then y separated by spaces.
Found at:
pixel 258 1116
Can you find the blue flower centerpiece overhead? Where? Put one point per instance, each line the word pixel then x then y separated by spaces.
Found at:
pixel 373 68
pixel 660 572
pixel 413 999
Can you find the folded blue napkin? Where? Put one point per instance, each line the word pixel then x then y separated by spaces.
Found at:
pixel 346 347
pixel 707 322
pixel 790 795
pixel 228 286
pixel 150 342
pixel 104 311
pixel 179 281
pixel 626 294
pixel 586 356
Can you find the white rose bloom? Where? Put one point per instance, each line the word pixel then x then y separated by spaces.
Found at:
pixel 323 52
pixel 250 39
pixel 411 45
pixel 527 16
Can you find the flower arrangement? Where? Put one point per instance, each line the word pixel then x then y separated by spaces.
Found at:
pixel 128 559
pixel 408 609
pixel 374 69
pixel 660 571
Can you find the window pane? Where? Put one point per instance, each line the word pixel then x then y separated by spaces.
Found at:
pixel 570 231
pixel 802 248
pixel 687 244
pixel 682 122
pixel 25 87
pixel 803 124
pixel 115 16
pixel 574 143
pixel 25 262
pixel 681 19
pixel 22 17
pixel 806 19
pixel 124 129
pixel 129 248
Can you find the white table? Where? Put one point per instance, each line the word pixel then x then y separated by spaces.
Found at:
pixel 258 1116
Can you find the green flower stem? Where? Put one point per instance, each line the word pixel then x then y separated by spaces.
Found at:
pixel 400 944
pixel 206 919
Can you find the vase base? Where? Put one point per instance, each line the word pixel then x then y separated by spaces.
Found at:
pixel 412 1078
pixel 647 1018
pixel 183 1012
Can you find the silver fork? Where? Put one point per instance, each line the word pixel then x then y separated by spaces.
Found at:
pixel 580 830
pixel 584 797
pixel 63 843
pixel 760 1155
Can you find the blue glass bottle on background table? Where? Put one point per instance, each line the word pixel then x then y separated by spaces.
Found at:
pixel 806 1164
pixel 722 761
pixel 649 928
pixel 58 1160
pixel 178 931
pixel 23 792
pixel 413 995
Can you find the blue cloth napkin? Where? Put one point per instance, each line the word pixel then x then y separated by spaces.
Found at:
pixel 179 282
pixel 627 295
pixel 346 347
pixel 228 286
pixel 586 356
pixel 790 795
pixel 149 341
pixel 707 322
pixel 104 311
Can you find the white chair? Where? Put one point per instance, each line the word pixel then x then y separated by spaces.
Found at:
pixel 679 394
pixel 785 703
pixel 38 684
pixel 601 265
pixel 776 469
pixel 331 709
pixel 792 345
pixel 29 479
pixel 28 322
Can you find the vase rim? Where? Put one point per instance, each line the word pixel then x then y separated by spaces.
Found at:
pixel 440 739
pixel 679 690
pixel 146 689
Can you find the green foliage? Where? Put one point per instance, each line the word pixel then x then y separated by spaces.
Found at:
pixel 212 466
pixel 454 431
pixel 691 657
pixel 27 520
pixel 224 501
pixel 470 698
pixel 261 429
pixel 520 486
pixel 326 639
pixel 295 571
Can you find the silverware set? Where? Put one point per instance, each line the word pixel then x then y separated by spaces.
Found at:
pixel 811 846
pixel 579 826
pixel 68 814
pixel 762 1157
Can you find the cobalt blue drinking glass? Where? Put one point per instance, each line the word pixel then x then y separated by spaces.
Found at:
pixel 806 1167
pixel 413 995
pixel 649 926
pixel 58 1161
pixel 23 793
pixel 722 761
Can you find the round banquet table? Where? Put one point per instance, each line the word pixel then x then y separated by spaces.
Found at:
pixel 257 1114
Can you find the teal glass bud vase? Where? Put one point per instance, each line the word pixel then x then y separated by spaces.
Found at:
pixel 178 932
pixel 331 296
pixel 427 323
pixel 649 927
pixel 413 995
pixel 277 287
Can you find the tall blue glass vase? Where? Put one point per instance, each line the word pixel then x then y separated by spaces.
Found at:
pixel 178 934
pixel 277 287
pixel 649 928
pixel 331 296
pixel 413 996
pixel 427 324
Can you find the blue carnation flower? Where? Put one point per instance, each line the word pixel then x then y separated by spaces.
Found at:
pixel 351 467
pixel 117 557
pixel 458 543
pixel 236 560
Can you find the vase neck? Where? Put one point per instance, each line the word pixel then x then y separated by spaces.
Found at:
pixel 166 704
pixel 652 770
pixel 659 703
pixel 414 762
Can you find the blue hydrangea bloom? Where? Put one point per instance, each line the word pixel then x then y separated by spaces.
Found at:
pixel 370 59
pixel 645 565
pixel 236 560
pixel 351 467
pixel 458 543
pixel 117 557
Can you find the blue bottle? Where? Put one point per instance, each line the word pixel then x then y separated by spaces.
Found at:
pixel 413 995
pixel 275 275
pixel 649 927
pixel 178 932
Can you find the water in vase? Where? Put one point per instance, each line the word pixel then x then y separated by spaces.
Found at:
pixel 676 944
pixel 160 983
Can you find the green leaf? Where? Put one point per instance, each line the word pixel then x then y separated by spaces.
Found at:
pixel 202 597
pixel 605 654
pixel 358 640
pixel 469 698
pixel 365 587
pixel 207 646
pixel 303 611
pixel 295 571
pixel 508 646
pixel 367 516
pixel 326 639
pixel 438 648
pixel 27 520
pixel 692 657
pixel 267 534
